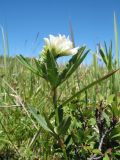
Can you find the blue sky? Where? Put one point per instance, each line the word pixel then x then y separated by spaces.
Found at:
pixel 29 21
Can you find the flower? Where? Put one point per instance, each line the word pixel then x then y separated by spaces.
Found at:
pixel 59 46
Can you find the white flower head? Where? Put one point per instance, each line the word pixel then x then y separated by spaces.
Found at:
pixel 60 45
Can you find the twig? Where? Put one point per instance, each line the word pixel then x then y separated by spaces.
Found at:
pixel 102 130
pixel 101 143
pixel 9 106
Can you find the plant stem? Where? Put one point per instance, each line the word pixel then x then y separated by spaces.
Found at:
pixel 65 154
pixel 55 98
pixel 55 106
pixel 62 145
pixel 63 148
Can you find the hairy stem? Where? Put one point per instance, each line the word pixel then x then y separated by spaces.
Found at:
pixel 61 142
pixel 63 147
pixel 55 98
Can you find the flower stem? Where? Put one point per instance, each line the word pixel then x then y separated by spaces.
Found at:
pixel 55 98
pixel 62 145
pixel 55 106
pixel 63 148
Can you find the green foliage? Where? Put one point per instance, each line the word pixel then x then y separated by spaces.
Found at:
pixel 39 119
pixel 73 64
pixel 77 119
pixel 47 67
pixel 64 126
pixel 71 131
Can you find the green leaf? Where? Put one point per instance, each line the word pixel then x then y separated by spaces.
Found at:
pixel 110 64
pixel 107 56
pixel 64 126
pixel 110 98
pixel 75 138
pixel 60 114
pixel 106 117
pixel 48 123
pixel 50 126
pixel 40 119
pixel 40 68
pixel 49 66
pixel 25 62
pixel 116 135
pixel 96 151
pixel 101 51
pixel 106 157
pixel 2 141
pixel 117 153
pixel 68 140
pixel 73 64
pixel 92 121
pixel 115 110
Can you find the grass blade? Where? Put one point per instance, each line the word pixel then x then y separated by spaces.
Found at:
pixel 89 86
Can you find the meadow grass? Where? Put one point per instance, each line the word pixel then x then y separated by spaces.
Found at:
pixel 89 98
pixel 20 133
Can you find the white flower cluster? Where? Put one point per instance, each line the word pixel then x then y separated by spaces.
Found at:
pixel 60 45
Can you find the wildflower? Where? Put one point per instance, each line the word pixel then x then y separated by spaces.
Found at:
pixel 59 46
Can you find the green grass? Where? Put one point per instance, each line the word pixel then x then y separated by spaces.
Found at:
pixel 20 88
pixel 80 121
